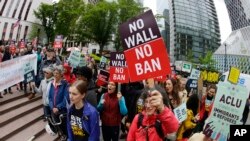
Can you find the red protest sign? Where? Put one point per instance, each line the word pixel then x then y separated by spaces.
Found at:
pixel 21 44
pixel 149 60
pixel 12 49
pixel 145 51
pixel 161 78
pixel 58 43
pixel 102 78
pixel 118 68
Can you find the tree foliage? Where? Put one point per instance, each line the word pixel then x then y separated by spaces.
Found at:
pixel 98 23
pixel 126 10
pixel 208 61
pixel 45 13
pixel 67 13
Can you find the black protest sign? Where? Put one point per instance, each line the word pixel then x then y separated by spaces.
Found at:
pixel 139 30
pixel 29 77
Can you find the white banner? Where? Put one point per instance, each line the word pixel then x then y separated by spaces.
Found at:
pixel 12 71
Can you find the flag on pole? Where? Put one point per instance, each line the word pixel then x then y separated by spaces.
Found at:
pixel 17 23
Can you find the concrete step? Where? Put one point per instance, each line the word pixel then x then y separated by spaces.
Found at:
pixel 46 137
pixel 20 124
pixel 34 133
pixel 20 112
pixel 17 103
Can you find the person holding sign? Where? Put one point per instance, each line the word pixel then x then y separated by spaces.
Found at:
pixel 156 121
pixel 205 107
pixel 111 107
pixel 83 118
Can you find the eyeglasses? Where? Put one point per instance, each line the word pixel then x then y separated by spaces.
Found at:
pixel 45 72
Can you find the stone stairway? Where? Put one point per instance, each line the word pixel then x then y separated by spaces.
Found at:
pixel 21 118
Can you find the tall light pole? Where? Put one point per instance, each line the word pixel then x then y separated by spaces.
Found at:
pixel 225 61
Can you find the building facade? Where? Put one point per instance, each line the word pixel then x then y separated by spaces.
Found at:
pixel 235 51
pixel 239 13
pixel 17 18
pixel 194 28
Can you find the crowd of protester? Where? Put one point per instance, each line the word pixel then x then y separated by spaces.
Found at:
pixel 140 113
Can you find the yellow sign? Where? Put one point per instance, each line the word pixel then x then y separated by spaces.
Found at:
pixel 212 77
pixel 234 75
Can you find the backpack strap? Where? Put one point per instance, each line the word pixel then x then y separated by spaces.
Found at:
pixel 158 128
pixel 140 119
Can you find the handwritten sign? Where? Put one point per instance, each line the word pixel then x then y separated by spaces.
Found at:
pixel 180 112
pixel 195 74
pixel 228 107
pixel 234 75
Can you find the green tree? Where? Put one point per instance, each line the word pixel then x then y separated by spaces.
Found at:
pixel 35 28
pixel 45 13
pixel 98 22
pixel 67 14
pixel 208 61
pixel 190 56
pixel 126 10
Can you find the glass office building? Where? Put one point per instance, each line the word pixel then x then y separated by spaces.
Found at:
pixel 235 51
pixel 239 13
pixel 194 28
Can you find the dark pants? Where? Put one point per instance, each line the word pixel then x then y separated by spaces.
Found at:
pixel 110 133
pixel 46 111
pixel 63 126
pixel 9 89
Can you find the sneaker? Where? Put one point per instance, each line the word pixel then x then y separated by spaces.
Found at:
pixel 31 96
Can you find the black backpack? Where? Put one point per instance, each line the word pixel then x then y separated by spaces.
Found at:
pixel 157 126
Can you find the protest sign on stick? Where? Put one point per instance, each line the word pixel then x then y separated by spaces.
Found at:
pixel 144 47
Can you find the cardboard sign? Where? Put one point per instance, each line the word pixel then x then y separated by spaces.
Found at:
pixel 29 77
pixel 102 78
pixel 103 62
pixel 228 108
pixel 234 75
pixel 180 112
pixel 118 68
pixel 145 51
pixel 58 41
pixel 195 74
